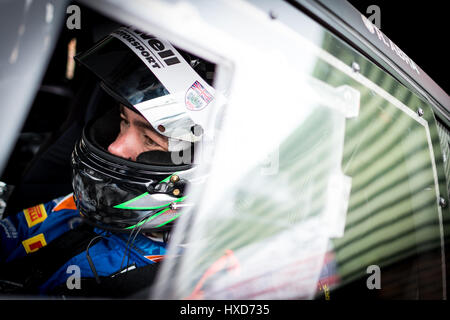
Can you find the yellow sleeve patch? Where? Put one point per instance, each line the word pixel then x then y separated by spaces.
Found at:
pixel 34 243
pixel 35 215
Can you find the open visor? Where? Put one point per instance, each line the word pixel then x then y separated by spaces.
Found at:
pixel 149 75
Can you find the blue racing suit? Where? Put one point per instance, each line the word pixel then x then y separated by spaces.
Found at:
pixel 36 227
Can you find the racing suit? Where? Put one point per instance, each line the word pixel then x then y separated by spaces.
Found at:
pixel 34 228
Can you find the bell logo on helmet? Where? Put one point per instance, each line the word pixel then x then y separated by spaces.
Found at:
pixel 148 46
pixel 166 54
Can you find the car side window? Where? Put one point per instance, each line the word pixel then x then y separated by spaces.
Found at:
pixel 342 200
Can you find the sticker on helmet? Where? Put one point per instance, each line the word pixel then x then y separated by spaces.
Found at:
pixel 197 97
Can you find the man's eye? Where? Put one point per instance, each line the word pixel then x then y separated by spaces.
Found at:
pixel 149 141
pixel 124 121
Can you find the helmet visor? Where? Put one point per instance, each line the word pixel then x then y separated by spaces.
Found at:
pixel 150 76
pixel 122 72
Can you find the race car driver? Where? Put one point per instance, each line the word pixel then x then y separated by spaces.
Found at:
pixel 131 172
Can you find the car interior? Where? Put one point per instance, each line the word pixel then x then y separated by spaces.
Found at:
pixel 39 168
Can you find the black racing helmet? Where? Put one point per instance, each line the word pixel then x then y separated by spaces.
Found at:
pixel 151 77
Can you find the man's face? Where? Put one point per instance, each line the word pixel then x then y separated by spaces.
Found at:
pixel 136 136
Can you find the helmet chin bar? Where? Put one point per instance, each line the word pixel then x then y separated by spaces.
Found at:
pixel 165 190
pixel 121 195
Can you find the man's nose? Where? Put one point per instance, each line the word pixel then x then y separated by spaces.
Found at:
pixel 124 146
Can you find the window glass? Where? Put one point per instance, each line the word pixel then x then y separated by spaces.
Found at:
pixel 336 196
pixel 393 218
